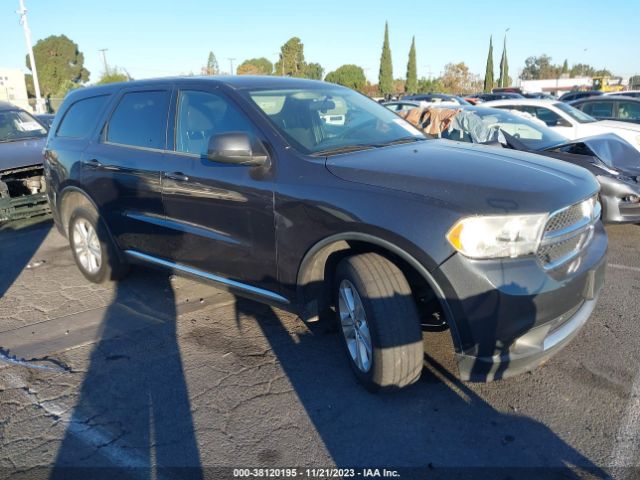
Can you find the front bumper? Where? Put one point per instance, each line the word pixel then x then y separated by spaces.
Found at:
pixel 26 206
pixel 511 315
pixel 614 208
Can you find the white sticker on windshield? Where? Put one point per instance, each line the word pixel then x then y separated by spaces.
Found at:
pixel 29 126
pixel 407 126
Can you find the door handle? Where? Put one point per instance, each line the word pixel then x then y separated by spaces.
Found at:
pixel 93 163
pixel 177 176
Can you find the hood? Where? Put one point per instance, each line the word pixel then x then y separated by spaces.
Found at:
pixel 610 149
pixel 21 153
pixel 476 179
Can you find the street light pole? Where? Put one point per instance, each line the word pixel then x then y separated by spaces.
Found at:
pixel 230 65
pixel 104 60
pixel 32 61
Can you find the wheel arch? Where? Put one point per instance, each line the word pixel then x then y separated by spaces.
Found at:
pixel 315 273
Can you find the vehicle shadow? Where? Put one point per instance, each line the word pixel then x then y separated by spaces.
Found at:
pixel 436 428
pixel 19 241
pixel 132 418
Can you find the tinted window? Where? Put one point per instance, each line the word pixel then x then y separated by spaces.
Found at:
pixel 551 118
pixel 574 113
pixel 81 117
pixel 18 125
pixel 202 115
pixel 598 109
pixel 140 120
pixel 629 110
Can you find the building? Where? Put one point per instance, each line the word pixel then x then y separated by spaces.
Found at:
pixel 13 88
pixel 556 86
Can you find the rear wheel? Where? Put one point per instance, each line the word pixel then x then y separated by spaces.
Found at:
pixel 93 250
pixel 379 322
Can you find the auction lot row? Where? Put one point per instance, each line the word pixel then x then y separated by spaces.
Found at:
pixel 162 370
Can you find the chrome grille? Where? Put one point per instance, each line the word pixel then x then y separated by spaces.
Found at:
pixel 567 232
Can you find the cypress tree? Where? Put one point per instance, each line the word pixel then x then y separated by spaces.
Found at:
pixel 385 79
pixel 412 70
pixel 504 66
pixel 488 76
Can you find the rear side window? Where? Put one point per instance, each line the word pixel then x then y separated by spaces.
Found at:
pixel 598 109
pixel 81 117
pixel 140 120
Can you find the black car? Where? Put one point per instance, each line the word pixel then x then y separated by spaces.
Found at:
pixel 239 181
pixel 577 95
pixel 488 97
pixel 610 107
pixel 22 186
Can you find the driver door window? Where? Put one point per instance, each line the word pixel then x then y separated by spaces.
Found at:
pixel 202 115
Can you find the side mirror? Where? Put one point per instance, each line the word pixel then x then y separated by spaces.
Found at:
pixel 236 148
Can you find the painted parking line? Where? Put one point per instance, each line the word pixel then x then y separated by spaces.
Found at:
pixel 627 444
pixel 623 267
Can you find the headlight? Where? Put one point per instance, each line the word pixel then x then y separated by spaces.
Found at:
pixel 497 236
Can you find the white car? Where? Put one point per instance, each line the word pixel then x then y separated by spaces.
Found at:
pixel 569 121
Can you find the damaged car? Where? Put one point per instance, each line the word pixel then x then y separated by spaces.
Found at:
pixel 613 161
pixel 22 185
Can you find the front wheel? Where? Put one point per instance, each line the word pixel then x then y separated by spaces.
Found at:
pixel 379 322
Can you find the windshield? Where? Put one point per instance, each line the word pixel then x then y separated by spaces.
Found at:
pixel 332 120
pixel 18 125
pixel 533 134
pixel 577 115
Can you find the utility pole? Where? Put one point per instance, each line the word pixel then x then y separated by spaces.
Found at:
pixel 104 60
pixel 230 65
pixel 40 107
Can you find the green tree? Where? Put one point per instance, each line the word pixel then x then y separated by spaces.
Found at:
pixel 212 65
pixel 456 78
pixel 488 75
pixel 565 67
pixel 291 61
pixel 351 76
pixel 58 61
pixel 314 71
pixel 385 79
pixel 504 66
pixel 255 66
pixel 538 68
pixel 412 69
pixel 429 86
pixel 115 75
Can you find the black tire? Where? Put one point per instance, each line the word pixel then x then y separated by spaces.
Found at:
pixel 112 267
pixel 392 317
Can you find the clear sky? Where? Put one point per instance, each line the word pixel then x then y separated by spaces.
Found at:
pixel 168 37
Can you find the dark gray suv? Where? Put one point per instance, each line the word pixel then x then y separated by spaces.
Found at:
pixel 314 198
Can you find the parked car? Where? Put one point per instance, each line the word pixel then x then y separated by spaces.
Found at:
pixel 436 98
pixel 624 109
pixel 238 181
pixel 45 118
pixel 539 95
pixel 404 105
pixel 569 121
pixel 614 162
pixel 22 187
pixel 571 96
pixel 489 97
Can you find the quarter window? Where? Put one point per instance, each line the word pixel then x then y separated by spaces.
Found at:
pixel 140 120
pixel 202 115
pixel 81 117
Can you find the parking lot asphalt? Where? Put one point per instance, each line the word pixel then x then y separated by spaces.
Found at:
pixel 163 370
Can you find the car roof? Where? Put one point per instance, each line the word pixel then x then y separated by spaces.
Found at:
pixel 4 106
pixel 610 98
pixel 536 102
pixel 237 82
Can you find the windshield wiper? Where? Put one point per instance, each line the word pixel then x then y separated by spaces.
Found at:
pixel 400 141
pixel 343 149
